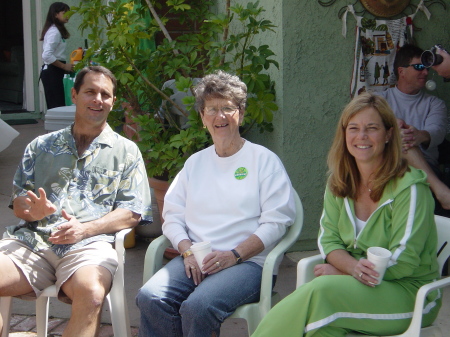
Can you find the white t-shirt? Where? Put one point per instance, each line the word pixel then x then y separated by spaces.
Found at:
pixel 226 199
pixel 359 225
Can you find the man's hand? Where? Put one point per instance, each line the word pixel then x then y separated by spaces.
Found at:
pixel 443 69
pixel 411 136
pixel 401 123
pixel 35 207
pixel 414 137
pixel 68 233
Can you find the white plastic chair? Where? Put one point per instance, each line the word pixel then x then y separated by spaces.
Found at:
pixel 116 300
pixel 253 313
pixel 305 273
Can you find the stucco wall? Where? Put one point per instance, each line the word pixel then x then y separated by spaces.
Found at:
pixel 317 69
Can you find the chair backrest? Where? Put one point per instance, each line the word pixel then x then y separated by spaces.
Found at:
pixel 443 232
pixel 289 238
pixel 293 232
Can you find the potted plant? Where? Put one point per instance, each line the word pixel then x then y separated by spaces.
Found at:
pixel 120 37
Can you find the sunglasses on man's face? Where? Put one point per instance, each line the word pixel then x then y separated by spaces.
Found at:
pixel 417 66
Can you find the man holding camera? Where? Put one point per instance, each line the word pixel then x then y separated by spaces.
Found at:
pixel 422 118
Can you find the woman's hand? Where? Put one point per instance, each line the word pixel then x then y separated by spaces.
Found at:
pixel 217 261
pixel 326 269
pixel 364 273
pixel 193 270
pixel 362 269
pixel 68 67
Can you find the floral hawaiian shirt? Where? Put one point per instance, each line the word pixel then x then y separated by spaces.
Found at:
pixel 110 174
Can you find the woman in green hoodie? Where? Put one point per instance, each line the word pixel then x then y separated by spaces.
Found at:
pixel 372 199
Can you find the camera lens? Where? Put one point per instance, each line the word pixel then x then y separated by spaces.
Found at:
pixel 428 58
pixel 438 59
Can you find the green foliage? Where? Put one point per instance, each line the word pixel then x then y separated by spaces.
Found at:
pixel 120 35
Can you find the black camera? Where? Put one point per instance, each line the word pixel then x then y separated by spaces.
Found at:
pixel 429 58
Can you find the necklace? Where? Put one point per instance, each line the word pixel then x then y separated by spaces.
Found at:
pixel 368 188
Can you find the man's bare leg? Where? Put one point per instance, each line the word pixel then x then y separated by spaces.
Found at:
pixel 416 159
pixel 12 281
pixel 87 288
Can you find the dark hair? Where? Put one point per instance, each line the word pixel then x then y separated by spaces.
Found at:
pixel 220 85
pixel 51 19
pixel 404 56
pixel 79 80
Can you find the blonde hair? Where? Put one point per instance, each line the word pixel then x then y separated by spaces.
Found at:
pixel 344 176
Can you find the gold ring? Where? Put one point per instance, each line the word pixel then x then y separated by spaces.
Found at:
pixel 360 275
pixel 193 268
pixel 218 264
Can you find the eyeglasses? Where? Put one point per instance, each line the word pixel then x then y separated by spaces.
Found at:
pixel 417 66
pixel 227 110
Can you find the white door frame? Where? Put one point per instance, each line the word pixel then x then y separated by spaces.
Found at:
pixel 32 19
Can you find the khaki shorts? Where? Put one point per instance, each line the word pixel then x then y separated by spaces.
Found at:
pixel 44 268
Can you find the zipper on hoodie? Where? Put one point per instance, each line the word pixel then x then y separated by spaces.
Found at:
pixel 354 226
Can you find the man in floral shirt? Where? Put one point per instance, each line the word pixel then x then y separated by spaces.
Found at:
pixel 74 189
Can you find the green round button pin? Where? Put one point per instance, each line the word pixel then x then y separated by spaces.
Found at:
pixel 240 173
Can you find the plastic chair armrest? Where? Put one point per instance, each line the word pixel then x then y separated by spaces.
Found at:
pixel 154 257
pixel 267 278
pixel 119 241
pixel 305 269
pixel 416 322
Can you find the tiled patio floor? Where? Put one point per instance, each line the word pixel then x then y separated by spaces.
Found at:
pixel 25 326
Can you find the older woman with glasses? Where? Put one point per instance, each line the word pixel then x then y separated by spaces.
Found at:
pixel 234 194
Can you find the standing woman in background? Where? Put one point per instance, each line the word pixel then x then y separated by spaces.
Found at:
pixel 54 35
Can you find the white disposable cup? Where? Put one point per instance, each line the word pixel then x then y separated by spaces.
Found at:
pixel 200 250
pixel 380 258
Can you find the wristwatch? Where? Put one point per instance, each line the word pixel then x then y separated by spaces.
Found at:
pixel 238 257
pixel 186 253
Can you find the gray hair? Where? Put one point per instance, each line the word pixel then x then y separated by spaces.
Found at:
pixel 220 85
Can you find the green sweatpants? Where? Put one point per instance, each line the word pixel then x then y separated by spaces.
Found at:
pixel 331 306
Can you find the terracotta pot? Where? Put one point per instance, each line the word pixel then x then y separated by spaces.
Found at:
pixel 130 239
pixel 160 188
pixel 171 253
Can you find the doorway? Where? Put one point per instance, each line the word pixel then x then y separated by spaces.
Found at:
pixel 12 66
pixel 19 56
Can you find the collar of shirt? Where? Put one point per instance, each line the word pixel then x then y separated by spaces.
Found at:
pixel 107 137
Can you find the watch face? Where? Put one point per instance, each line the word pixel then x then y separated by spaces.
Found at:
pixel 238 257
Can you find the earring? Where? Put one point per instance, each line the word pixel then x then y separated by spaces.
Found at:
pixel 387 142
